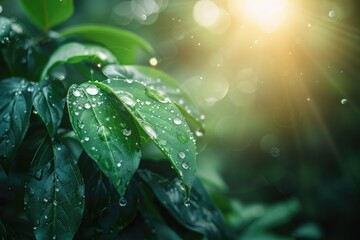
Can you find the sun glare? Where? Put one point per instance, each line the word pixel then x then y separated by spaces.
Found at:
pixel 268 14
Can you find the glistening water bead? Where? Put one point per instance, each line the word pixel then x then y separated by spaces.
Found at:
pixel 92 90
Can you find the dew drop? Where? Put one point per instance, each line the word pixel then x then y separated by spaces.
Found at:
pixel 86 139
pixel 45 200
pixel 58 148
pixel 150 130
pixel 122 202
pixel 153 61
pixel 187 202
pixel 181 155
pixel 80 124
pixel 199 133
pixel 126 132
pixel 128 101
pixel 92 90
pixel 39 174
pixel 154 94
pixel 177 121
pixel 182 137
pixel 118 164
pixel 103 133
pixel 185 165
pixel 87 105
pixel 77 93
pixel 344 101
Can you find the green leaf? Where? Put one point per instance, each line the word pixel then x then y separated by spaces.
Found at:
pixel 47 14
pixel 49 101
pixel 162 122
pixel 198 214
pixel 15 110
pixel 162 82
pixel 122 43
pixel 76 52
pixel 54 196
pixel 106 131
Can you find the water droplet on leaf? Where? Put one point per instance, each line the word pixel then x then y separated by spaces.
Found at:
pixel 103 133
pixel 182 155
pixel 185 165
pixel 92 90
pixel 182 137
pixel 177 121
pixel 77 93
pixel 122 202
pixel 150 130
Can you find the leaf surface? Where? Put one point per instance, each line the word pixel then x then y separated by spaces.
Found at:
pixel 15 110
pixel 49 101
pixel 162 82
pixel 106 131
pixel 77 52
pixel 54 196
pixel 199 214
pixel 162 121
pixel 47 14
pixel 122 43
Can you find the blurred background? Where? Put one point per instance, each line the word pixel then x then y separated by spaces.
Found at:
pixel 278 82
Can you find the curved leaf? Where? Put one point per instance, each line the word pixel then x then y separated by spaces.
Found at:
pixel 15 109
pixel 49 101
pixel 76 52
pixel 106 131
pixel 47 14
pixel 54 196
pixel 199 214
pixel 162 122
pixel 122 43
pixel 162 82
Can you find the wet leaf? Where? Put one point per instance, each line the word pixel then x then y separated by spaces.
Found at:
pixel 76 52
pixel 47 14
pixel 15 110
pixel 49 100
pixel 122 43
pixel 106 131
pixel 162 121
pixel 54 196
pixel 162 82
pixel 199 214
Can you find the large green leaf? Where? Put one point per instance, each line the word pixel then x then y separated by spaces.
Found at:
pixel 48 13
pixel 49 100
pixel 76 52
pixel 106 131
pixel 162 82
pixel 54 196
pixel 162 122
pixel 198 214
pixel 15 110
pixel 122 43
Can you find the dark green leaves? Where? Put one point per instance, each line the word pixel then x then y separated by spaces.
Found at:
pixel 122 43
pixel 152 77
pixel 76 52
pixel 15 109
pixel 49 101
pixel 197 214
pixel 162 121
pixel 54 197
pixel 106 131
pixel 46 14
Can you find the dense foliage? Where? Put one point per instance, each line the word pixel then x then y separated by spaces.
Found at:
pixel 77 119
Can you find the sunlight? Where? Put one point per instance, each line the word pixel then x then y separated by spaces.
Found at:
pixel 268 14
